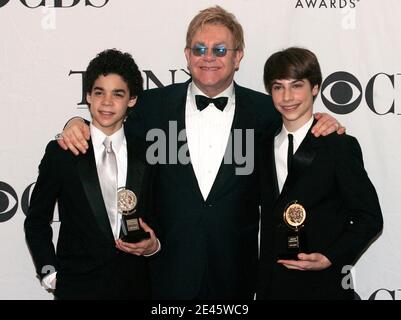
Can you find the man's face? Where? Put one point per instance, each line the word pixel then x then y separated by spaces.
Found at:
pixel 213 74
pixel 294 100
pixel 109 100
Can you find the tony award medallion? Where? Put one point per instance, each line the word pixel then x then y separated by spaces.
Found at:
pixel 294 217
pixel 131 229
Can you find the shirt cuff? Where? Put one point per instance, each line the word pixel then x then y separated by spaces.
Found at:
pixel 156 251
pixel 49 281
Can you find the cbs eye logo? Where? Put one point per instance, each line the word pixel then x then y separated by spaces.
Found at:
pixel 341 92
pixel 9 201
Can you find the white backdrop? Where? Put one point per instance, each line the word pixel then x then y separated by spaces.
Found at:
pixel 41 46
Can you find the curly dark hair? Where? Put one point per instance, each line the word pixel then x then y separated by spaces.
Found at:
pixel 112 61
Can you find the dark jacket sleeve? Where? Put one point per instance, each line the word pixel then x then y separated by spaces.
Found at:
pixel 361 204
pixel 38 230
pixel 149 203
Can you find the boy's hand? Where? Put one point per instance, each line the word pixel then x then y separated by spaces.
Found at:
pixel 307 262
pixel 145 247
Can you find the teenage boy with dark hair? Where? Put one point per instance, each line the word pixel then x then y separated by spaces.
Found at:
pixel 335 208
pixel 88 262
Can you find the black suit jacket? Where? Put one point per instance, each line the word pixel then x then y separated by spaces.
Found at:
pixel 342 215
pixel 87 263
pixel 209 248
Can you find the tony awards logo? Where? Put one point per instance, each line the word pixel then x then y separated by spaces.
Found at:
pixel 294 217
pixel 131 229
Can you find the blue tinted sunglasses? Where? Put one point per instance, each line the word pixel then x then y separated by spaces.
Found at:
pixel 200 51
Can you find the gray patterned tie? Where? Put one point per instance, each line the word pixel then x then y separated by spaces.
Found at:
pixel 107 171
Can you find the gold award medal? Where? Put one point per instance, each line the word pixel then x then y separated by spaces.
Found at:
pixel 126 201
pixel 294 215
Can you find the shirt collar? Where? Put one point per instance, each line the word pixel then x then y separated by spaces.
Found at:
pixel 117 138
pixel 193 90
pixel 298 135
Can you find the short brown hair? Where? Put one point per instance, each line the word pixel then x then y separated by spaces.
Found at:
pixel 292 63
pixel 216 15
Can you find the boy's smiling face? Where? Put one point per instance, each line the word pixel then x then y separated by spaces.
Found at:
pixel 109 100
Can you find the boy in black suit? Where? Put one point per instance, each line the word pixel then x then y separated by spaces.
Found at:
pixel 88 263
pixel 306 245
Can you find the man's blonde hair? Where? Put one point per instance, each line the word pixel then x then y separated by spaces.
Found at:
pixel 217 16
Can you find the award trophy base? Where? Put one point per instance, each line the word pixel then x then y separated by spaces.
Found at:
pixel 131 229
pixel 288 256
pixel 296 243
pixel 137 236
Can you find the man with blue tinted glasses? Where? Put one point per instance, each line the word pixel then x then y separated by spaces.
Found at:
pixel 208 216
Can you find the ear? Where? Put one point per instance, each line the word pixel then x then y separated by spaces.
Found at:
pixel 315 90
pixel 187 52
pixel 88 98
pixel 132 101
pixel 239 54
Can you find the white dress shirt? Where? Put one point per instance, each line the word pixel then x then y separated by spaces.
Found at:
pixel 281 149
pixel 207 135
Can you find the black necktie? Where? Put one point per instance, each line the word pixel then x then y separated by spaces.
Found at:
pixel 202 102
pixel 290 151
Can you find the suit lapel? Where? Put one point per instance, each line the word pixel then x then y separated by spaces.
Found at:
pixel 267 172
pixel 135 168
pixel 272 165
pixel 242 120
pixel 302 159
pixel 90 181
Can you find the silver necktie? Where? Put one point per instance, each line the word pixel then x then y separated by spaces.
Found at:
pixel 107 171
